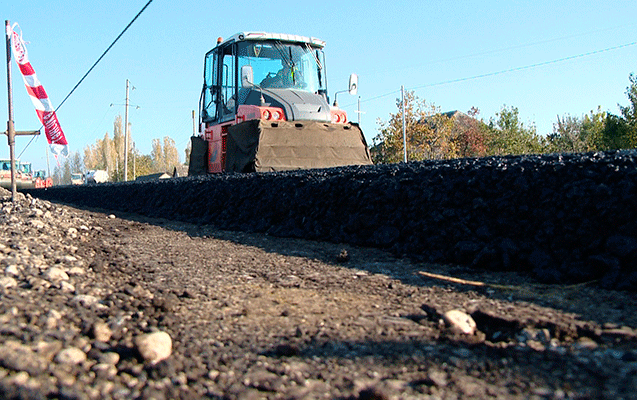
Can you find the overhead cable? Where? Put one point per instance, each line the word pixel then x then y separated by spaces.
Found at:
pixel 536 65
pixel 104 53
pixel 541 64
pixel 91 69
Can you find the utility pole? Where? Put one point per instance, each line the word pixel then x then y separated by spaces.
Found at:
pixel 126 136
pixel 194 124
pixel 402 91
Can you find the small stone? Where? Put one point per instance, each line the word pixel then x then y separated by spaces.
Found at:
pixel 37 283
pixel 109 358
pixel 55 274
pixel 18 357
pixel 70 356
pixel 154 347
pixel 69 259
pixel 55 314
pixel 586 343
pixel 67 287
pixel 84 300
pixel 536 345
pixel 64 378
pixel 101 331
pixel 20 379
pixel 74 271
pixel 460 322
pixel 12 270
pixel 48 350
pixel 439 378
pixel 36 223
pixel 8 282
pixel 51 323
pixel 105 371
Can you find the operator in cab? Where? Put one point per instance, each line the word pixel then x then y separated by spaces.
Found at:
pixel 289 76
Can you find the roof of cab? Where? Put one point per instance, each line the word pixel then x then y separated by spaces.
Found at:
pixel 241 36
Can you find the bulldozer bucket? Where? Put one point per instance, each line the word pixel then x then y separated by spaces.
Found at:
pixel 263 146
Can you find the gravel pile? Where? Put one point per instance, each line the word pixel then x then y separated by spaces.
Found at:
pixel 65 330
pixel 566 218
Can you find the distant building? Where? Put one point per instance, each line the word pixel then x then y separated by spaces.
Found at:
pixel 152 177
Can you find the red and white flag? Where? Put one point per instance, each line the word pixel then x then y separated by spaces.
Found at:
pixel 41 102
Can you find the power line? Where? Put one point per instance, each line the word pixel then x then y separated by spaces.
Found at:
pixel 95 64
pixel 104 53
pixel 523 45
pixel 536 65
pixel 541 64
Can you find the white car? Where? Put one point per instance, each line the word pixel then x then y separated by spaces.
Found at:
pixel 77 179
pixel 96 176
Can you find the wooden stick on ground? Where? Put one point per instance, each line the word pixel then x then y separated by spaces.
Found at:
pixel 464 281
pixel 491 285
pixel 452 279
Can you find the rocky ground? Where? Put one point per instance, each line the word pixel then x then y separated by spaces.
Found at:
pixel 94 305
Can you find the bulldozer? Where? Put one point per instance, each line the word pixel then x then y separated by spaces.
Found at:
pixel 264 107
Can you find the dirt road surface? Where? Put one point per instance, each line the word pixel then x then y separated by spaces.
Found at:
pixel 88 300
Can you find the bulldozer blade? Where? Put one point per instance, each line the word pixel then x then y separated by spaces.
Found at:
pixel 264 146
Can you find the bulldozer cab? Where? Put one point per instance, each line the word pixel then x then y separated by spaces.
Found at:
pixel 240 70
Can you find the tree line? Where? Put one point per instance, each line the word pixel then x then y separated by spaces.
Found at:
pixel 432 134
pixel 108 154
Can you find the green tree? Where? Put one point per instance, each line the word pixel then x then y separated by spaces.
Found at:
pixel 510 136
pixel 104 153
pixel 187 153
pixel 617 133
pixel 76 163
pixel 588 133
pixel 171 154
pixel 567 135
pixel 108 154
pixel 620 131
pixel 593 126
pixel 143 165
pixel 428 132
pixel 630 112
pixel 164 157
pixel 157 155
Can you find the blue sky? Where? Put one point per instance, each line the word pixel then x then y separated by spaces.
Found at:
pixel 418 44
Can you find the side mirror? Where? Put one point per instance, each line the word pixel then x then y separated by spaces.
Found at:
pixel 247 76
pixel 353 84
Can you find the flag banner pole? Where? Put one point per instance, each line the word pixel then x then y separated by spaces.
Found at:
pixel 39 98
pixel 10 126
